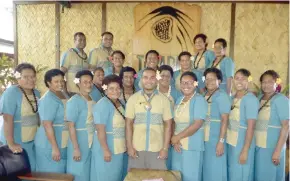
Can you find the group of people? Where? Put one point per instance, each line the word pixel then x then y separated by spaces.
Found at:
pixel 99 119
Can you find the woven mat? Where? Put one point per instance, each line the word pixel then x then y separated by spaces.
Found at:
pixel 141 174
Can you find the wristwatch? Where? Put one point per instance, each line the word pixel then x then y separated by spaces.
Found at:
pixel 222 140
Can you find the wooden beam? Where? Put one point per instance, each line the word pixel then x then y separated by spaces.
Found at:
pixel 232 30
pixel 15 32
pixel 57 35
pixel 34 2
pixel 189 1
pixel 104 17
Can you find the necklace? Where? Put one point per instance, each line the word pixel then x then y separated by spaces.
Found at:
pixel 207 100
pixel 100 90
pixel 215 65
pixel 168 93
pixel 84 97
pixel 79 55
pixel 234 104
pixel 181 102
pixel 266 101
pixel 197 64
pixel 125 96
pixel 117 107
pixel 29 101
pixel 148 105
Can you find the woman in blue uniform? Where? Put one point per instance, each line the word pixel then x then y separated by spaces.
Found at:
pixel 224 63
pixel 127 76
pixel 97 92
pixel 51 137
pixel 118 59
pixel 215 127
pixel 19 106
pixel 109 140
pixel 152 59
pixel 271 130
pixel 204 57
pixel 185 66
pixel 166 76
pixel 188 140
pixel 240 132
pixel 81 128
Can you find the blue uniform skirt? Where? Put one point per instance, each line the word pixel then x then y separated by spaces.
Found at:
pixel 79 169
pixel 265 170
pixel 237 171
pixel 45 163
pixel 214 168
pixel 189 163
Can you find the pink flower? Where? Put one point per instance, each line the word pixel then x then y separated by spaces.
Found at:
pixel 136 76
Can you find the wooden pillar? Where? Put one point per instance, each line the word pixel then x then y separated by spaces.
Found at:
pixel 232 31
pixel 15 34
pixel 104 17
pixel 57 35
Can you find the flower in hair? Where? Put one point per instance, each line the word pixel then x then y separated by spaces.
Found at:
pixel 159 57
pixel 195 83
pixel 203 78
pixel 135 76
pixel 278 81
pixel 17 75
pixel 158 76
pixel 105 87
pixel 110 58
pixel 250 78
pixel 192 58
pixel 77 80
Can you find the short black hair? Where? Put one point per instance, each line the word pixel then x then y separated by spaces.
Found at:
pixel 119 52
pixel 107 33
pixel 183 54
pixel 111 79
pixel 151 51
pixel 191 74
pixel 216 71
pixel 126 69
pixel 243 71
pixel 78 34
pixel 166 67
pixel 81 73
pixel 23 66
pixel 272 73
pixel 148 69
pixel 202 36
pixel 98 69
pixel 50 74
pixel 223 41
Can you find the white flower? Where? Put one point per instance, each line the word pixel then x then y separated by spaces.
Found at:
pixel 17 75
pixel 93 72
pixel 195 83
pixel 77 80
pixel 192 58
pixel 203 78
pixel 158 77
pixel 105 87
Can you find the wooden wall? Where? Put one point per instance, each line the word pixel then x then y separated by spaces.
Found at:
pixel 261 32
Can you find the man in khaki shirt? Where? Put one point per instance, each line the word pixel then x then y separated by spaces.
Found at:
pixel 74 60
pixel 99 57
pixel 148 125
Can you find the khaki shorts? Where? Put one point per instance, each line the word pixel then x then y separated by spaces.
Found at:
pixel 147 160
